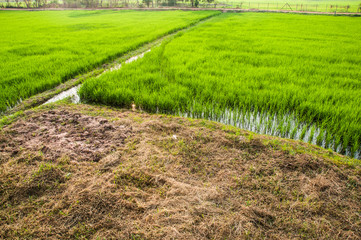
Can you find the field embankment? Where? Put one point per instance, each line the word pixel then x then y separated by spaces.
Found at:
pixel 40 50
pixel 86 172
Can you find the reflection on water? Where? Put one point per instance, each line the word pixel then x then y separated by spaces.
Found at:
pixel 73 92
pixel 286 126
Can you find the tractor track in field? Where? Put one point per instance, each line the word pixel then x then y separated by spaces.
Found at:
pixel 45 96
pixel 192 9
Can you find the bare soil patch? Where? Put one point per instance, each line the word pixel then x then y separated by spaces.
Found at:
pixel 79 171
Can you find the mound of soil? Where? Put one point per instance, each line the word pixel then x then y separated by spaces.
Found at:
pixel 79 171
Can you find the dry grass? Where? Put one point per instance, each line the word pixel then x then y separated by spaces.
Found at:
pixel 84 172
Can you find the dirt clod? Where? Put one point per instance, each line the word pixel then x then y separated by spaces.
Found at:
pixel 85 172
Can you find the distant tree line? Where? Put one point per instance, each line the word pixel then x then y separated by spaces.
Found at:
pixel 24 3
pixel 151 4
pixel 99 3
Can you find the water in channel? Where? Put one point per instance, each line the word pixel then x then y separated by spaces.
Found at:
pixel 72 93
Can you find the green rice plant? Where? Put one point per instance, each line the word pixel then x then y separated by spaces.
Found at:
pixel 293 66
pixel 281 126
pixel 294 132
pixel 303 133
pixel 288 127
pixel 320 137
pixel 337 143
pixel 41 49
pixel 328 139
pixel 356 145
pixel 312 133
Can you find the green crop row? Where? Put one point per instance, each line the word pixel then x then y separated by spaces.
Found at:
pixel 40 50
pixel 302 68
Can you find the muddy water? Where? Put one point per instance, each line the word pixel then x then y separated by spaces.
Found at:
pixel 132 59
pixel 72 93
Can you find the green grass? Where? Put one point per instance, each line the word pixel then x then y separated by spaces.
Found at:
pixel 40 50
pixel 301 71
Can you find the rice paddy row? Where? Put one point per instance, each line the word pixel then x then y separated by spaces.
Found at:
pixel 40 50
pixel 302 70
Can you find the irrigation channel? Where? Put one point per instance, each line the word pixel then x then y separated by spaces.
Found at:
pixel 286 127
pixel 72 93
